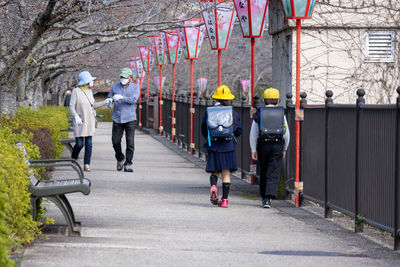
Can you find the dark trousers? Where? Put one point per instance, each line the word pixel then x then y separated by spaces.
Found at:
pixel 117 133
pixel 78 147
pixel 269 160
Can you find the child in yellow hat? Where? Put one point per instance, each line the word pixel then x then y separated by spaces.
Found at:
pixel 269 140
pixel 220 125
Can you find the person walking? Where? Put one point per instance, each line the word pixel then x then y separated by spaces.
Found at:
pixel 220 126
pixel 125 95
pixel 81 107
pixel 269 140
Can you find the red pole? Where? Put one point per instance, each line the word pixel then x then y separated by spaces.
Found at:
pixel 191 106
pixel 148 85
pixel 140 104
pixel 253 42
pixel 219 67
pixel 173 102
pixel 161 103
pixel 297 173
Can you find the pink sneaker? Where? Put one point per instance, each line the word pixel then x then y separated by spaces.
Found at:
pixel 214 195
pixel 223 203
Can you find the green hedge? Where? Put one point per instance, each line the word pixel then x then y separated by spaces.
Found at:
pixel 107 114
pixel 39 130
pixel 5 233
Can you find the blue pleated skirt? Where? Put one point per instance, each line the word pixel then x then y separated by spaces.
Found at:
pixel 218 161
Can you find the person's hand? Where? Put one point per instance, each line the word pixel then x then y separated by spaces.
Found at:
pixel 78 120
pixel 284 154
pixel 109 100
pixel 254 155
pixel 117 97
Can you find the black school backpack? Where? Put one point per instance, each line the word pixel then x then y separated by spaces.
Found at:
pixel 219 123
pixel 271 123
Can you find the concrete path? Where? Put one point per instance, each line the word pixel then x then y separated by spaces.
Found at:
pixel 160 215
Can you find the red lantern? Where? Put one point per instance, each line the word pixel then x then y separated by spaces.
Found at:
pixel 174 53
pixel 302 9
pixel 252 17
pixel 218 16
pixel 157 45
pixel 147 58
pixel 191 39
pixel 299 9
pixel 137 65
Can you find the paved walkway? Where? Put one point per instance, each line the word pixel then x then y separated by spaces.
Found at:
pixel 161 216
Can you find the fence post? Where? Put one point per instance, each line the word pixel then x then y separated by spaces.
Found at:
pixel 328 101
pixel 396 173
pixel 358 220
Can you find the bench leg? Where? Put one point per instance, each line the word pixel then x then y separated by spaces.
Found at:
pixel 59 203
pixel 70 147
pixel 69 208
pixel 35 205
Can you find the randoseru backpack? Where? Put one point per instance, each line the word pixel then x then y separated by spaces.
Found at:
pixel 271 123
pixel 219 123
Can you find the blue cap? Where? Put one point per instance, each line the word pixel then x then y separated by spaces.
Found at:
pixel 85 78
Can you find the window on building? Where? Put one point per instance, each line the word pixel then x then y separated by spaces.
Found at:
pixel 380 46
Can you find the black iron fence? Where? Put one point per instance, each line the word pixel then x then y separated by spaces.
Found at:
pixel 349 160
pixel 349 154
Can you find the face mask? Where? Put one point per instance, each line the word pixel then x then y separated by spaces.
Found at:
pixel 91 84
pixel 124 81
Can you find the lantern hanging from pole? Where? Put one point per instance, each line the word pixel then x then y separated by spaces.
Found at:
pixel 245 86
pixel 147 58
pixel 191 39
pixel 132 66
pixel 157 81
pixel 252 15
pixel 139 67
pixel 202 83
pixel 219 17
pixel 172 45
pixel 298 9
pixel 157 45
pixel 174 53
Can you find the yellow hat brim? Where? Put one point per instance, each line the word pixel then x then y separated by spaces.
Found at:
pixel 228 97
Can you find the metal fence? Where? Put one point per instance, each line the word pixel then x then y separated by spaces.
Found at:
pixel 349 154
pixel 349 160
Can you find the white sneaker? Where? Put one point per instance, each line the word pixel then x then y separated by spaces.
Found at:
pixel 86 168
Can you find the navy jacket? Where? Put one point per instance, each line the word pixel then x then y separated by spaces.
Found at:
pixel 221 146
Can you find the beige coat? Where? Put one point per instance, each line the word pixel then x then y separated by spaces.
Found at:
pixel 82 104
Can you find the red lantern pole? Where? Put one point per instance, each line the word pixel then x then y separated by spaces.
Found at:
pixel 253 42
pixel 140 104
pixel 297 166
pixel 161 102
pixel 191 106
pixel 148 82
pixel 173 101
pixel 219 67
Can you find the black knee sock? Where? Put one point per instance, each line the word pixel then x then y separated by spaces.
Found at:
pixel 225 190
pixel 213 179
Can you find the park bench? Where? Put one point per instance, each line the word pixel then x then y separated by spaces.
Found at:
pixel 56 190
pixel 68 142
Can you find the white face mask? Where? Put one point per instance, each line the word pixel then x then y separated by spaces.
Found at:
pixel 124 81
pixel 91 84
